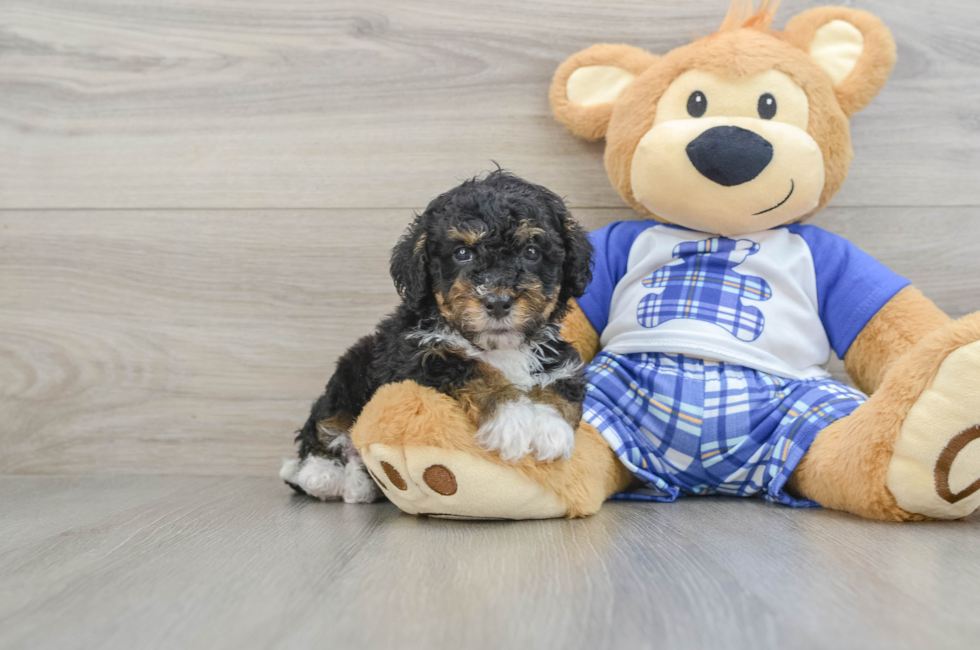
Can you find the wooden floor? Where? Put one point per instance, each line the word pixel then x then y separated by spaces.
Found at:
pixel 197 200
pixel 196 562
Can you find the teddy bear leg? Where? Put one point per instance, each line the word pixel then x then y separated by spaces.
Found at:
pixel 419 447
pixel 912 451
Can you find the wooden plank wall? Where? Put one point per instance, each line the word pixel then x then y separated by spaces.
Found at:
pixel 197 199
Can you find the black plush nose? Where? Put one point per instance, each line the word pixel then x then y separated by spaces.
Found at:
pixel 498 306
pixel 729 155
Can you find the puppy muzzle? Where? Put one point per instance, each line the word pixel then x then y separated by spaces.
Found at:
pixel 506 317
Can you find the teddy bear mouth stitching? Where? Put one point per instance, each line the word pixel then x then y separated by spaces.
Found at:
pixel 792 188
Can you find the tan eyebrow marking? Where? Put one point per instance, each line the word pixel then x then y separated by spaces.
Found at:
pixel 469 237
pixel 525 230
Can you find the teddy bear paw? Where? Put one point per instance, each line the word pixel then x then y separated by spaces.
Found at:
pixel 454 484
pixel 935 467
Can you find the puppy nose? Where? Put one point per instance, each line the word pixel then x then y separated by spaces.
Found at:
pixel 498 306
pixel 729 155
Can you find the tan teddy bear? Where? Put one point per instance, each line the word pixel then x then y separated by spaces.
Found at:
pixel 709 320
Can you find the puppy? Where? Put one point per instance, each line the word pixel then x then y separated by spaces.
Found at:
pixel 485 274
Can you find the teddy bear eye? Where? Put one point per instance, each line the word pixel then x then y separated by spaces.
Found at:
pixel 697 104
pixel 767 107
pixel 463 254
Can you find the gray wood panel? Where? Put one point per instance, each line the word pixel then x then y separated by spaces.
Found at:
pixel 194 341
pixel 238 562
pixel 350 103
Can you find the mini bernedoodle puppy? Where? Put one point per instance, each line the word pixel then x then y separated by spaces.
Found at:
pixel 485 274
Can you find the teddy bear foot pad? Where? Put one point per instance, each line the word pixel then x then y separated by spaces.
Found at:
pixel 452 484
pixel 935 468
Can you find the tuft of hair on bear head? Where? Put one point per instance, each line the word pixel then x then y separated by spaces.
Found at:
pixel 742 15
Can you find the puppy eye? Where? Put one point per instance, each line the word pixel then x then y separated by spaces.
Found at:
pixel 463 254
pixel 532 253
pixel 697 104
pixel 767 107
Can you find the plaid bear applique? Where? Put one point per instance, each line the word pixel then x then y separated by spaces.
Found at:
pixel 704 286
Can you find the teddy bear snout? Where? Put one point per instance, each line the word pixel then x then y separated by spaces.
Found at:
pixel 729 155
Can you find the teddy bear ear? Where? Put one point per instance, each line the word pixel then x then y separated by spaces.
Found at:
pixel 586 86
pixel 852 46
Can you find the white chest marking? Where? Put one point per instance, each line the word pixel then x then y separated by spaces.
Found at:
pixel 521 366
pixel 518 366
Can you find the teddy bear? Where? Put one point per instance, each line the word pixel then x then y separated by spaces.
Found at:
pixel 710 317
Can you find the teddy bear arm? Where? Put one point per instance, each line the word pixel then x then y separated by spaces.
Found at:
pixel 893 331
pixel 578 331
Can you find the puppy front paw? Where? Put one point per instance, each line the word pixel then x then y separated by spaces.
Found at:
pixel 521 427
pixel 508 432
pixel 551 436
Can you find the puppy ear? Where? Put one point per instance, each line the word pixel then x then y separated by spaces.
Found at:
pixel 852 46
pixel 577 267
pixel 586 86
pixel 409 265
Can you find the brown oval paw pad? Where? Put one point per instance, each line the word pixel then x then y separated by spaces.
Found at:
pixel 440 479
pixel 393 476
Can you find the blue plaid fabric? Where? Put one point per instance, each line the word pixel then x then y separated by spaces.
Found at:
pixel 704 286
pixel 690 426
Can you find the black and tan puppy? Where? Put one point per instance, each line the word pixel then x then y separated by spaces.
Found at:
pixel 485 274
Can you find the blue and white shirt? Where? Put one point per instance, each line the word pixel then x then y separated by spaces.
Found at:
pixel 776 301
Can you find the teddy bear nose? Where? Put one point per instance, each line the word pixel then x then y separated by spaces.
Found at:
pixel 729 155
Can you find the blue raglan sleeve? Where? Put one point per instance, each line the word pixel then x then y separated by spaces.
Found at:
pixel 852 286
pixel 612 245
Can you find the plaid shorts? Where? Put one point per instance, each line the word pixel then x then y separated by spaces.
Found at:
pixel 690 426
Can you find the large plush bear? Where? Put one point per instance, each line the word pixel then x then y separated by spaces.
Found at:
pixel 710 317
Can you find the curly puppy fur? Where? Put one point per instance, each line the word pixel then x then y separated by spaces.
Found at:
pixel 486 274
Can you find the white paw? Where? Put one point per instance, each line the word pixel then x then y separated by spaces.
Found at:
pixel 359 487
pixel 289 470
pixel 522 426
pixel 551 436
pixel 330 479
pixel 508 433
pixel 319 477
